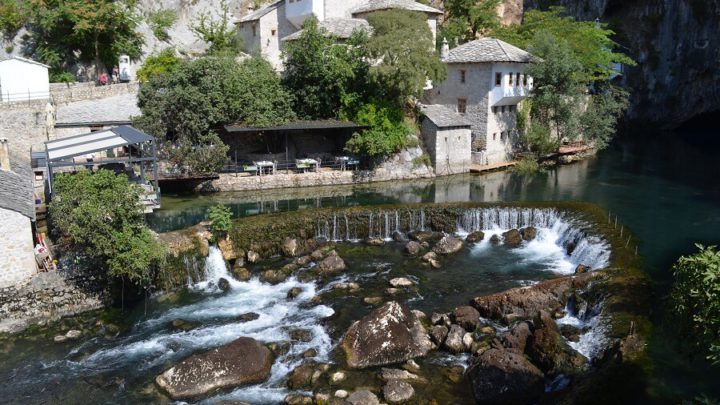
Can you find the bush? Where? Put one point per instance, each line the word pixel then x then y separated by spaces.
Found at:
pixel 62 77
pixel 696 298
pixel 99 215
pixel 527 165
pixel 422 160
pixel 221 218
pixel 387 132
pixel 158 64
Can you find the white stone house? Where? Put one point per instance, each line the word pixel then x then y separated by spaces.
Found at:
pixel 263 31
pixel 447 138
pixel 486 82
pixel 23 79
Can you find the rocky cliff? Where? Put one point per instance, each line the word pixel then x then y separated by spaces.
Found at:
pixel 677 46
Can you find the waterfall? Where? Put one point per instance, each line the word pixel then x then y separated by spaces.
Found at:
pixel 215 269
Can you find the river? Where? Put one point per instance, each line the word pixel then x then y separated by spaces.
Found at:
pixel 664 187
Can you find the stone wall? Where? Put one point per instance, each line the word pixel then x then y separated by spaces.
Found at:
pixel 398 167
pixel 17 259
pixel 26 127
pixel 449 148
pixel 62 93
pixel 46 298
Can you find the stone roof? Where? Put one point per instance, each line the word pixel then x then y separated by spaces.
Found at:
pixel 341 28
pixel 111 110
pixel 488 50
pixel 16 192
pixel 259 13
pixel 377 5
pixel 443 117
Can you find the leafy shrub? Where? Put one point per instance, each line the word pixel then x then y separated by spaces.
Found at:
pixel 12 17
pixel 161 21
pixel 527 165
pixel 696 298
pixel 387 132
pixel 62 77
pixel 422 160
pixel 221 218
pixel 158 64
pixel 99 215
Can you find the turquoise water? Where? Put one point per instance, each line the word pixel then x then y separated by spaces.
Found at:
pixel 665 188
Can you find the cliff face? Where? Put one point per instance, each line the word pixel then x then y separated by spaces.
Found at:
pixel 677 46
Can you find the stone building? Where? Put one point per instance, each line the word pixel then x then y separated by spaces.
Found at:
pixel 447 138
pixel 486 83
pixel 17 213
pixel 264 30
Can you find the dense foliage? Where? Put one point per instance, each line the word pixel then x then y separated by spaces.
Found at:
pixel 387 132
pixel 158 64
pixel 12 17
pixel 325 76
pixel 696 298
pixel 468 18
pixel 186 107
pixel 402 43
pixel 87 30
pixel 100 217
pixel 221 218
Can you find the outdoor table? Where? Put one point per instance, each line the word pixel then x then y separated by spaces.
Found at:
pixel 306 164
pixel 265 164
pixel 346 161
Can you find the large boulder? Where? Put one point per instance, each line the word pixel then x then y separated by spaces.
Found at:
pixel 448 245
pixel 467 317
pixel 420 236
pixel 512 238
pixel 475 237
pixel 525 302
pixel 391 333
pixel 516 338
pixel 332 264
pixel 306 375
pixel 363 397
pixel 242 361
pixel 227 249
pixel 529 233
pixel 438 334
pixel 549 351
pixel 500 376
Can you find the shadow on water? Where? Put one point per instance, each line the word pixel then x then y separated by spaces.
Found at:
pixel 664 187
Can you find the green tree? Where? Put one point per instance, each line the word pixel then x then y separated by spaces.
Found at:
pixel 161 21
pixel 599 121
pixel 323 75
pixel 100 216
pixel 468 18
pixel 590 42
pixel 696 298
pixel 185 107
pixel 158 64
pixel 402 43
pixel 64 31
pixel 218 33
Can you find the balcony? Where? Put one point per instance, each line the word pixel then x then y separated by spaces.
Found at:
pixel 507 94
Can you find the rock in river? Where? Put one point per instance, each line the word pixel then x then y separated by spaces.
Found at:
pixel 501 376
pixel 528 233
pixel 467 317
pixel 448 245
pixel 401 282
pixel 512 238
pixel 363 397
pixel 242 361
pixel 454 340
pixel 550 351
pixel 389 334
pixel 475 237
pixel 397 392
pixel 413 248
pixel 331 264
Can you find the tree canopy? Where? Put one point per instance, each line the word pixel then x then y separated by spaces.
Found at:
pixel 187 105
pixel 590 42
pixel 402 43
pixel 158 64
pixel 468 18
pixel 100 215
pixel 325 76
pixel 218 33
pixel 96 30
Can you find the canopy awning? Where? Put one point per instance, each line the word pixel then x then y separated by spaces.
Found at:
pixel 84 144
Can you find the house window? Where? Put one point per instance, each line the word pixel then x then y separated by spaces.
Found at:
pixel 498 79
pixel 462 105
pixel 517 79
pixel 524 80
pixel 494 110
pixel 502 136
pixel 254 28
pixel 502 109
pixel 510 79
pixel 273 32
pixel 462 76
pixel 494 136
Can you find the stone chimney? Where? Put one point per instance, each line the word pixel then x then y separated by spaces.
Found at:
pixel 445 51
pixel 4 155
